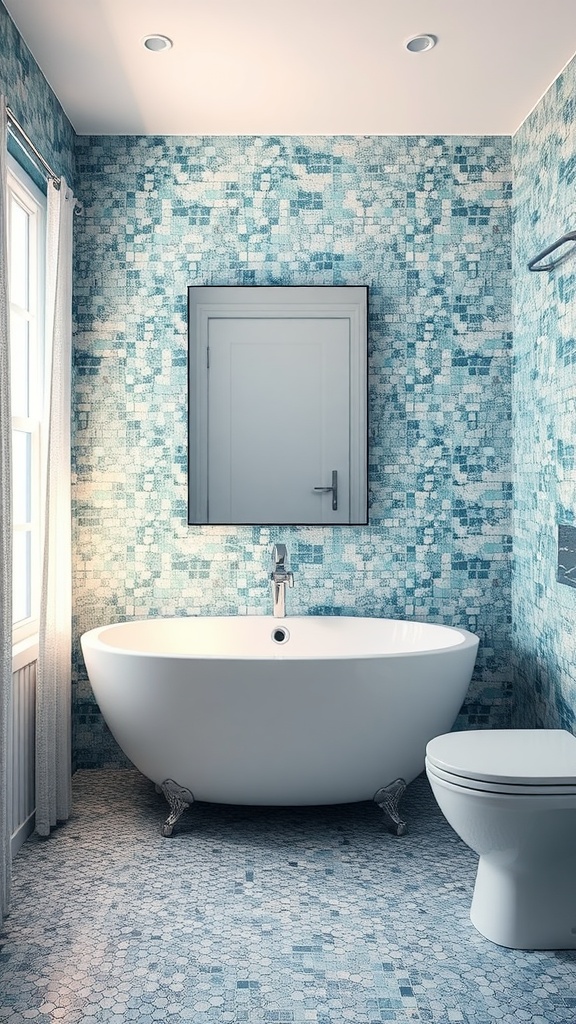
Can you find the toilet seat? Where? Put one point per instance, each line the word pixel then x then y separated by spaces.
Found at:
pixel 516 762
pixel 506 788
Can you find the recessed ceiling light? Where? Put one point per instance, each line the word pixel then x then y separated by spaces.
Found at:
pixel 420 43
pixel 157 43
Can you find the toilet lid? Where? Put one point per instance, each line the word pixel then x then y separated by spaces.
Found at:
pixel 529 757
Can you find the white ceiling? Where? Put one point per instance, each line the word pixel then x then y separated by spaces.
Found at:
pixel 298 67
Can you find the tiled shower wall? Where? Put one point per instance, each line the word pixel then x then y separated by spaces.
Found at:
pixel 425 222
pixel 544 611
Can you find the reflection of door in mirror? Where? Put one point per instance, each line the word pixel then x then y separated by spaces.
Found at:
pixel 278 420
pixel 274 418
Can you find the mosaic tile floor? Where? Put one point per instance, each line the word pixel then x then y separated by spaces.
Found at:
pixel 259 916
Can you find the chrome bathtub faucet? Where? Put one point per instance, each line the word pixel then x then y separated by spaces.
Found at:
pixel 279 578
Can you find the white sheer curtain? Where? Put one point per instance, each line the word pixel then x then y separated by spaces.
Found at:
pixel 5 536
pixel 53 697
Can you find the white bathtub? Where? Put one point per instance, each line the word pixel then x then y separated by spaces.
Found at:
pixel 338 709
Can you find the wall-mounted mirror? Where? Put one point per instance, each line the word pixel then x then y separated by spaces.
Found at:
pixel 277 410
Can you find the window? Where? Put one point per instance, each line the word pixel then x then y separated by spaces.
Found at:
pixel 26 228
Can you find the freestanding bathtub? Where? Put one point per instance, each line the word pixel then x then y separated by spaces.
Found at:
pixel 261 710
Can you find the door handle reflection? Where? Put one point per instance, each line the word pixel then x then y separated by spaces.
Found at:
pixel 333 489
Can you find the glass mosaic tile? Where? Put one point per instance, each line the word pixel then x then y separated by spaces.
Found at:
pixel 544 413
pixel 425 223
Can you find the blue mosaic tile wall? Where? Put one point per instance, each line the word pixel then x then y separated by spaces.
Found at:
pixel 544 611
pixel 426 223
pixel 33 102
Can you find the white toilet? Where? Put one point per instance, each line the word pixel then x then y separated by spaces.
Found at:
pixel 510 794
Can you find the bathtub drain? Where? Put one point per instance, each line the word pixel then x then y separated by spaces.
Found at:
pixel 280 635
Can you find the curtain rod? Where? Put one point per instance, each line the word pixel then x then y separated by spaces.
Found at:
pixel 14 123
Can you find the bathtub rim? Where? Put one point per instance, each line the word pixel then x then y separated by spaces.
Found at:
pixel 90 639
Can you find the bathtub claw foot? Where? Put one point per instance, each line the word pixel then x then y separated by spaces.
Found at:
pixel 179 799
pixel 388 798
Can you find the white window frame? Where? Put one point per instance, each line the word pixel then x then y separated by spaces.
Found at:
pixel 22 189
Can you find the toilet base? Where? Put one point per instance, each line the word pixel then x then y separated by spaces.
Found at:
pixel 526 909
